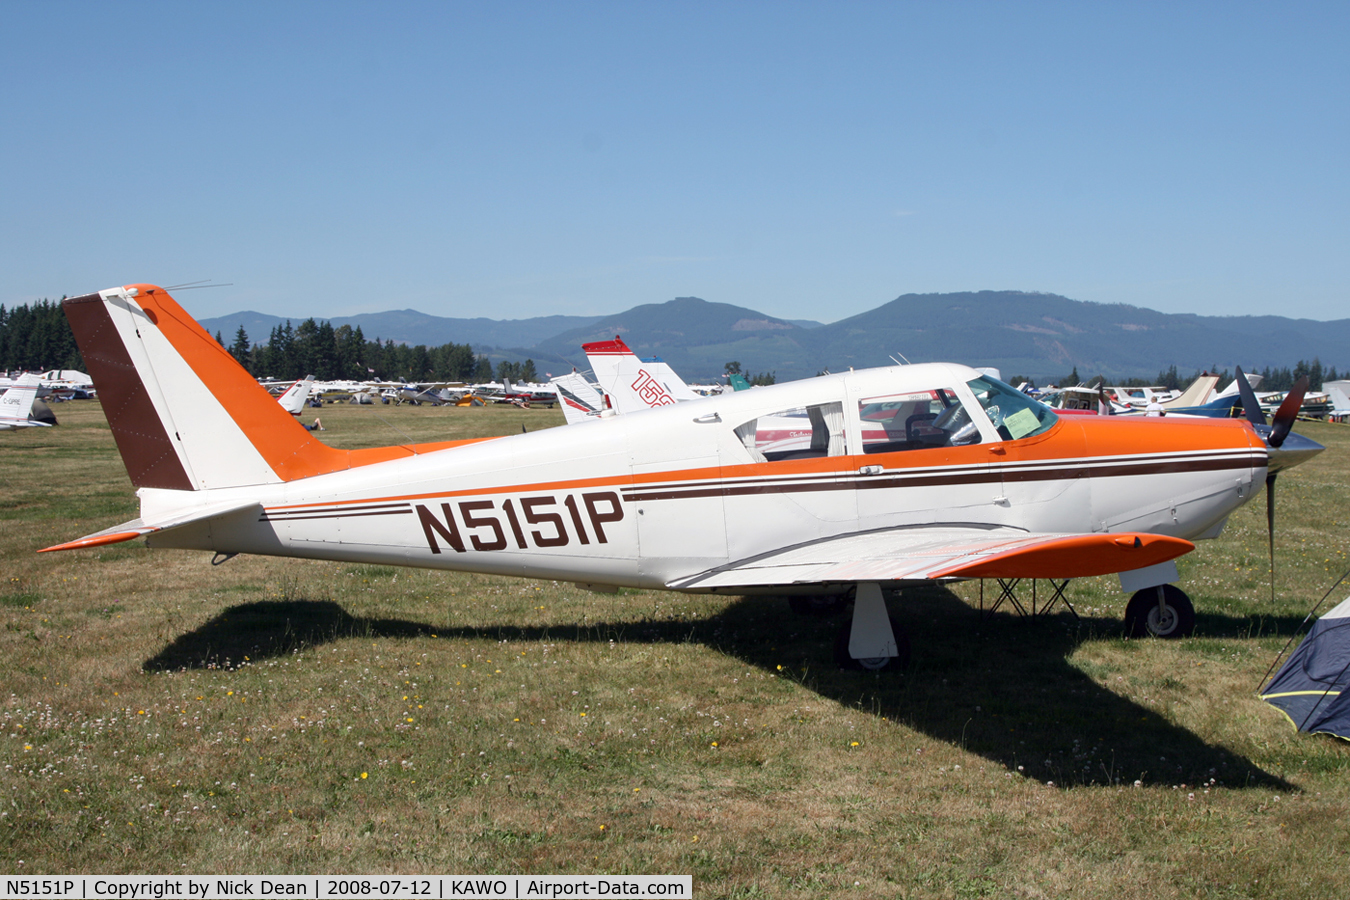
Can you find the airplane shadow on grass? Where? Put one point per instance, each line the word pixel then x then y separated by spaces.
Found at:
pixel 1001 688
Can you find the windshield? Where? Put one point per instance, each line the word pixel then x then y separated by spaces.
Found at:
pixel 1013 414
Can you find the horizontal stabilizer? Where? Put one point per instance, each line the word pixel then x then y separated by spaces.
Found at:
pixel 139 528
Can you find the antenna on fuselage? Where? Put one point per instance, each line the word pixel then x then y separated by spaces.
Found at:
pixel 411 445
pixel 898 362
pixel 193 285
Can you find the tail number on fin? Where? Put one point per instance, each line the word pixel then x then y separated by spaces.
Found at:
pixel 651 391
pixel 539 521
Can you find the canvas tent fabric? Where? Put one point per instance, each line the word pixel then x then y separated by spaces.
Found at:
pixel 1312 688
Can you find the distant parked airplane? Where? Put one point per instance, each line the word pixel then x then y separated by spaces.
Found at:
pixel 16 405
pixel 293 401
pixel 580 401
pixel 631 383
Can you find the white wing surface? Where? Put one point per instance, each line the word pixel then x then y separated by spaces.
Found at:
pixel 926 553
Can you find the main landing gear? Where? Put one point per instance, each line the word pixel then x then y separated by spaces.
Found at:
pixel 1163 612
pixel 871 640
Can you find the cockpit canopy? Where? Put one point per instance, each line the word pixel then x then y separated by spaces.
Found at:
pixel 912 415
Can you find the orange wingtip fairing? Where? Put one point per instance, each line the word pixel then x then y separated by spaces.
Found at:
pixel 1080 556
pixel 96 541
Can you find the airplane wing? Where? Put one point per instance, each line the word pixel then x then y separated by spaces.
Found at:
pixel 137 528
pixel 926 553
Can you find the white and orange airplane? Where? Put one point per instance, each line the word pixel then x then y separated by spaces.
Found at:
pixel 972 479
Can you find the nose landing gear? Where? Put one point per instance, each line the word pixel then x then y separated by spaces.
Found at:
pixel 1163 612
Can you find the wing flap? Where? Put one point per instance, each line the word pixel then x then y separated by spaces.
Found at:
pixel 927 553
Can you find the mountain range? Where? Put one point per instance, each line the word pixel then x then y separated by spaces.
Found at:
pixel 1037 335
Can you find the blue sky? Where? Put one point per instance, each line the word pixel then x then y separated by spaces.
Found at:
pixel 808 160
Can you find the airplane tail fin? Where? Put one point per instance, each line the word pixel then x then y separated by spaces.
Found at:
pixel 632 383
pixel 185 415
pixel 580 401
pixel 1197 394
pixel 293 401
pixel 16 405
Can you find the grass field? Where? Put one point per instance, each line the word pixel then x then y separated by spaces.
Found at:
pixel 277 716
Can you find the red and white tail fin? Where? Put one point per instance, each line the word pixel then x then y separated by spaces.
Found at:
pixel 632 384
pixel 185 414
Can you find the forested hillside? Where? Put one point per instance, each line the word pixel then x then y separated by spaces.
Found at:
pixel 38 337
pixel 1043 337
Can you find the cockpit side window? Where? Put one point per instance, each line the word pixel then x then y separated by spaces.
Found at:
pixel 801 433
pixel 915 421
pixel 1013 414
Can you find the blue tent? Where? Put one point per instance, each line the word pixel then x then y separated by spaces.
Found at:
pixel 1311 687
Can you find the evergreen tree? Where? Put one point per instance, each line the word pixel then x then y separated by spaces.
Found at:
pixel 240 348
pixel 459 362
pixel 305 350
pixel 419 364
pixel 37 338
pixel 324 357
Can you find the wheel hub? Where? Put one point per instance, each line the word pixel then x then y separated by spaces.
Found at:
pixel 1162 621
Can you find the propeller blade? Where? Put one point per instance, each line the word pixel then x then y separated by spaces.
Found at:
pixel 1270 529
pixel 1250 405
pixel 1288 412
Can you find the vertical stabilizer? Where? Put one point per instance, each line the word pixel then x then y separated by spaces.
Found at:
pixel 631 383
pixel 16 404
pixel 185 414
pixel 293 401
pixel 580 401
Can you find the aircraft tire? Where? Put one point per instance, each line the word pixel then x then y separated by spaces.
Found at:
pixel 883 664
pixel 1143 618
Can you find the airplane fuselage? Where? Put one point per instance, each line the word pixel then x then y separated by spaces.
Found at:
pixel 651 499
